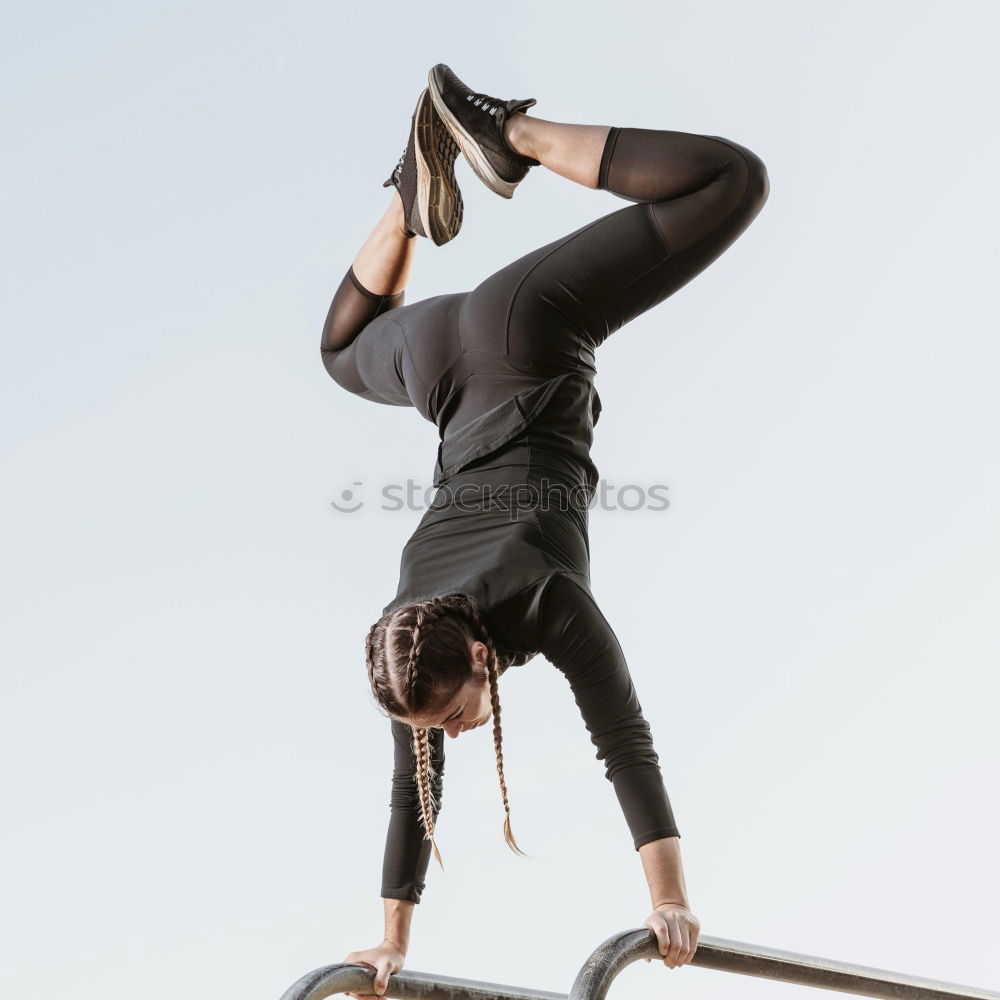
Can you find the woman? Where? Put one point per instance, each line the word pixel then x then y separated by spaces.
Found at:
pixel 498 568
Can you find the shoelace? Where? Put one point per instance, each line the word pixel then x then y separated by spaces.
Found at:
pixel 491 105
pixel 397 172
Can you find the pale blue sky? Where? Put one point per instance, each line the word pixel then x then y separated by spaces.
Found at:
pixel 196 781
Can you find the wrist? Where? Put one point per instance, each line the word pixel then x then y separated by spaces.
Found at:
pixel 396 929
pixel 661 862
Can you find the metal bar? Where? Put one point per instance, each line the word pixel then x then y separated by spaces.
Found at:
pixel 599 971
pixel 406 985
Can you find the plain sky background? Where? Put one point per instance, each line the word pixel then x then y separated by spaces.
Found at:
pixel 196 782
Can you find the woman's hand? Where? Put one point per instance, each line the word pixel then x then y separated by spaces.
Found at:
pixel 676 929
pixel 386 959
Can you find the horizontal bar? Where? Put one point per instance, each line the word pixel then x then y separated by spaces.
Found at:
pixel 599 971
pixel 406 985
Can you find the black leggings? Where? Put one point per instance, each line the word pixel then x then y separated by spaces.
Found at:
pixel 456 356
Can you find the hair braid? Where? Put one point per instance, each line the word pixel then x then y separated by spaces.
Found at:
pixel 425 616
pixel 428 807
pixel 378 679
pixel 468 611
pixel 412 665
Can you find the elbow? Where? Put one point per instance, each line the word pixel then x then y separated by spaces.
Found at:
pixel 633 747
pixel 645 757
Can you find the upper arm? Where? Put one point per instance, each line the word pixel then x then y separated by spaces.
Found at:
pixel 579 641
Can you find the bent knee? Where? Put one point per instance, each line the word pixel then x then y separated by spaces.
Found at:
pixel 753 177
pixel 759 182
pixel 745 168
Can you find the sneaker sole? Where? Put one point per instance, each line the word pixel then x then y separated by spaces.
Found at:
pixel 439 200
pixel 471 149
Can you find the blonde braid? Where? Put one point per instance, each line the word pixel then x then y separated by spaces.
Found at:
pixel 471 616
pixel 424 775
pixel 424 615
pixel 427 613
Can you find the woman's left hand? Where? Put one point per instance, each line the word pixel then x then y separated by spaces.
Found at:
pixel 676 929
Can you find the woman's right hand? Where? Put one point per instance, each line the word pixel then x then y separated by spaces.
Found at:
pixel 386 959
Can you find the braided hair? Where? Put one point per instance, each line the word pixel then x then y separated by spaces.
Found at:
pixel 418 658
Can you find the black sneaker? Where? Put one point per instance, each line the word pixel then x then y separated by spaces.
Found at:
pixel 425 177
pixel 476 121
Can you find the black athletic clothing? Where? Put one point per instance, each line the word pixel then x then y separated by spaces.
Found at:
pixel 506 371
pixel 557 616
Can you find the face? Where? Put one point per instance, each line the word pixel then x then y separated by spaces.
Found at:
pixel 469 708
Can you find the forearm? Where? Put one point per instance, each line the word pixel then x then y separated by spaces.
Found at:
pixel 407 850
pixel 398 916
pixel 661 862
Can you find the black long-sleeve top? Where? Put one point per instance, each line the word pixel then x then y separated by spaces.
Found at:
pixel 508 526
pixel 559 618
pixel 506 373
pixel 526 567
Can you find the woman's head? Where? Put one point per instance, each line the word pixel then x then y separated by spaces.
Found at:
pixel 433 665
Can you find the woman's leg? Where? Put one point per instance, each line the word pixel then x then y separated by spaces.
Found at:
pixel 647 165
pixel 572 151
pixel 694 195
pixel 375 281
pixel 383 262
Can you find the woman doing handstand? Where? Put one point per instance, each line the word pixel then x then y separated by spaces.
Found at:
pixel 498 568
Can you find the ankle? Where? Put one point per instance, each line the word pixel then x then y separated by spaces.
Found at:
pixel 519 132
pixel 395 215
